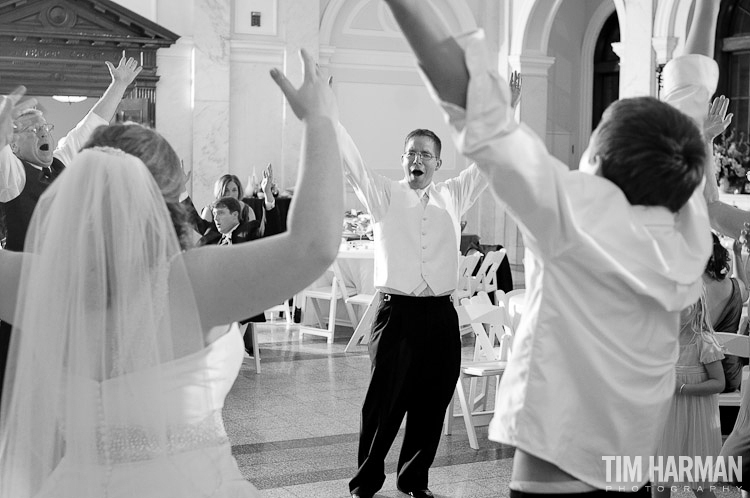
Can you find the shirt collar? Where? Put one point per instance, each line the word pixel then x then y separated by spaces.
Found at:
pixel 422 191
pixel 229 233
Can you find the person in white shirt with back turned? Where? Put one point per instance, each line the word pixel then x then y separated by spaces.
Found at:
pixel 614 251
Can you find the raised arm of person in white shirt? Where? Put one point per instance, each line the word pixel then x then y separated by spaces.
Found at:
pixel 520 170
pixel 12 175
pixel 372 189
pixel 724 218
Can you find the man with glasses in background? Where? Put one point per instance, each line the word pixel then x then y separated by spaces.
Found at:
pixel 415 345
pixel 29 163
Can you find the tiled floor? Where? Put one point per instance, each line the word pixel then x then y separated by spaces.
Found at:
pixel 294 427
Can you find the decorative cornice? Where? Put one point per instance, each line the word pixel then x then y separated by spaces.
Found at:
pixel 381 60
pixel 257 52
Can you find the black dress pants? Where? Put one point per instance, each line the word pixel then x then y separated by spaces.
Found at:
pixel 415 349
pixel 5 330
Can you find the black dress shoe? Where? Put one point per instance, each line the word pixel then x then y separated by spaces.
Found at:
pixel 420 493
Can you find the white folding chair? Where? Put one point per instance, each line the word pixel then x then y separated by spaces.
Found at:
pixel 284 309
pixel 486 278
pixel 337 290
pixel 361 333
pixel 247 328
pixel 738 345
pixel 489 323
pixel 515 302
pixel 466 267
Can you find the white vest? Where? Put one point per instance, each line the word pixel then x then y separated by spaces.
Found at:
pixel 415 243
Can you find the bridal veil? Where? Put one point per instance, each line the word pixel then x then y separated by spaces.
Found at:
pixel 104 300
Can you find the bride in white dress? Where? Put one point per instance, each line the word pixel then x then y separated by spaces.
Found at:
pixel 121 357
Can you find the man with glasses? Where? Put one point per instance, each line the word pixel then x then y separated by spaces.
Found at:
pixel 415 345
pixel 30 163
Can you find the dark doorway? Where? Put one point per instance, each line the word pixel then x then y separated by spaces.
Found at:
pixel 733 54
pixel 606 69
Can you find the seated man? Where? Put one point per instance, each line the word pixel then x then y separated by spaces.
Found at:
pixel 228 229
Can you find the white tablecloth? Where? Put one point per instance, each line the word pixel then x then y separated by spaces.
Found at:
pixel 356 260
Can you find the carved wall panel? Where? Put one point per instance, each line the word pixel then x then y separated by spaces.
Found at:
pixel 58 47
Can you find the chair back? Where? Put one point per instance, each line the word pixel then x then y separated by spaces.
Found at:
pixel 466 267
pixel 486 278
pixel 515 302
pixel 489 323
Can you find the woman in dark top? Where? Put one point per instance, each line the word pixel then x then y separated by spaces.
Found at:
pixel 725 298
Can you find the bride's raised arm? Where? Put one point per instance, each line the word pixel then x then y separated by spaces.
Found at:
pixel 236 282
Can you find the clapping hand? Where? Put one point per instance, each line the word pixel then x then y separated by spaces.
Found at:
pixel 314 97
pixel 515 89
pixel 266 185
pixel 125 72
pixel 9 108
pixel 717 119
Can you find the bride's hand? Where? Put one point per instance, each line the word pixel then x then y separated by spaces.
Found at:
pixel 314 97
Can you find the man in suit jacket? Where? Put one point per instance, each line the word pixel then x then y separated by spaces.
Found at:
pixel 229 230
pixel 31 161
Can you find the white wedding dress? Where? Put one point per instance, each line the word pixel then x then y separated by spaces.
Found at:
pixel 199 462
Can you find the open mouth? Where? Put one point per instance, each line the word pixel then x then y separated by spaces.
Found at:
pixel 416 172
pixel 44 148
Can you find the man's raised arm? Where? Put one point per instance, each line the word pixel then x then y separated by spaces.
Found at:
pixel 122 76
pixel 440 57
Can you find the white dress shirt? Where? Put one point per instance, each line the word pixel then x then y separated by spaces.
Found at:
pixel 12 174
pixel 592 367
pixel 416 246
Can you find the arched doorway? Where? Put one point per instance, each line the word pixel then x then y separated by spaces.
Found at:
pixel 606 69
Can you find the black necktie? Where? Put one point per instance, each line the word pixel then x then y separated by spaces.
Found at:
pixel 45 176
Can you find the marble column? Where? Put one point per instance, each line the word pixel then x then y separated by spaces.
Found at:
pixel 210 96
pixel 174 105
pixel 300 21
pixel 637 61
pixel 533 113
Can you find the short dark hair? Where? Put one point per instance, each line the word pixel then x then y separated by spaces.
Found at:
pixel 652 151
pixel 230 203
pixel 421 132
pixel 718 265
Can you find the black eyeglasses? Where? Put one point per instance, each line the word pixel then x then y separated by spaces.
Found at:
pixel 412 155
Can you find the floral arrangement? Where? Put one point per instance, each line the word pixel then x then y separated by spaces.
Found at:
pixel 357 225
pixel 732 160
